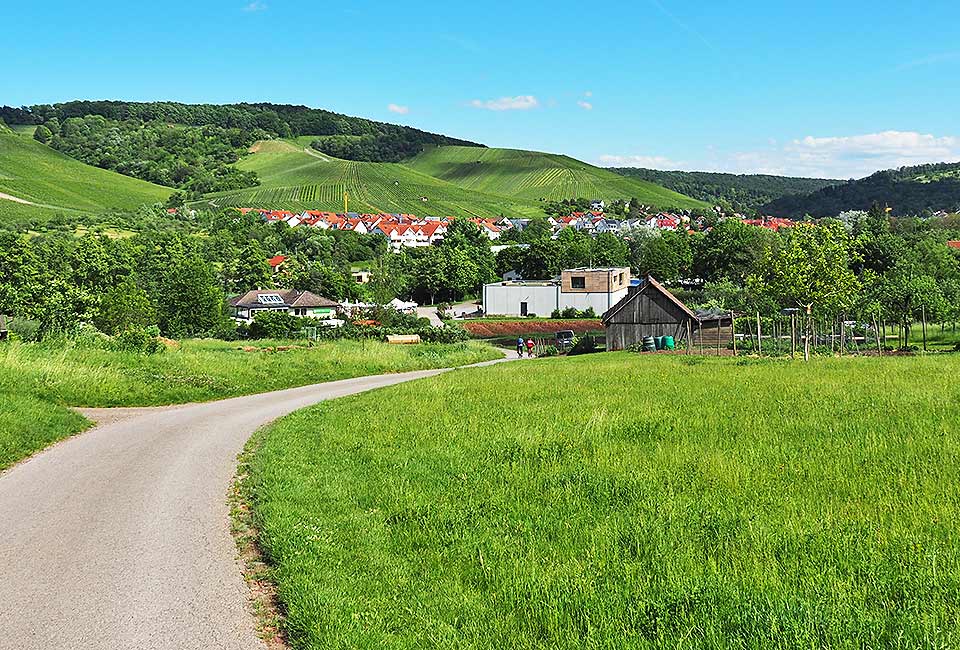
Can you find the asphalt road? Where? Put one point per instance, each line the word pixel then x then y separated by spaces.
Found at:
pixel 119 538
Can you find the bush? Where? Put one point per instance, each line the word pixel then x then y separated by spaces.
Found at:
pixel 550 351
pixel 141 340
pixel 278 325
pixel 585 344
pixel 24 329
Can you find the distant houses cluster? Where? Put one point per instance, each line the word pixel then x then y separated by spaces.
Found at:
pixel 401 230
pixel 411 231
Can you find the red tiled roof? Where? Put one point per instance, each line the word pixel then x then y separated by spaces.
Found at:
pixel 277 260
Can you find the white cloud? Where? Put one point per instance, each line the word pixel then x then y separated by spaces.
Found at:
pixel 650 162
pixel 256 5
pixel 587 106
pixel 399 110
pixel 851 156
pixel 589 93
pixel 518 103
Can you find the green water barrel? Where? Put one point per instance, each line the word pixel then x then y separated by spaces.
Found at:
pixel 658 341
pixel 669 343
pixel 649 345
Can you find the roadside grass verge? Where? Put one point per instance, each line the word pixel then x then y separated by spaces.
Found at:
pixel 616 500
pixel 28 424
pixel 37 381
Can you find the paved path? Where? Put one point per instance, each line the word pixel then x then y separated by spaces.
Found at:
pixel 120 537
pixel 430 313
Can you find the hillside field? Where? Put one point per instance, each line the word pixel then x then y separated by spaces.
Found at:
pixel 618 500
pixel 294 177
pixel 536 176
pixel 58 184
pixel 511 183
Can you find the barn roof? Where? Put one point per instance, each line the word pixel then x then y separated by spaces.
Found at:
pixel 648 284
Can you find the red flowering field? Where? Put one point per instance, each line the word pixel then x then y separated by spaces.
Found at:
pixel 493 329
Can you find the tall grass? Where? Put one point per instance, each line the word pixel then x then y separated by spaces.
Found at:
pixel 623 501
pixel 37 380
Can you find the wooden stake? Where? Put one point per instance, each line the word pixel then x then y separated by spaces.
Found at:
pixel 876 330
pixel 759 335
pixel 733 332
pixel 923 316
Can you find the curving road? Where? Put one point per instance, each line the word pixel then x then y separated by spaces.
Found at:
pixel 120 537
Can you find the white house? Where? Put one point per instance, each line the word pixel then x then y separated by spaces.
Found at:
pixel 290 301
pixel 581 288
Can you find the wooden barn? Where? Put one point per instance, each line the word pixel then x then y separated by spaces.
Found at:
pixel 649 309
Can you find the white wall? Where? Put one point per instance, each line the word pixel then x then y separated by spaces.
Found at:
pixel 504 299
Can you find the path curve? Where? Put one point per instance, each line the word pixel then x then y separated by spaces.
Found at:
pixel 120 537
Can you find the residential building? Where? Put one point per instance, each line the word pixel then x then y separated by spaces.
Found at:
pixel 581 288
pixel 290 301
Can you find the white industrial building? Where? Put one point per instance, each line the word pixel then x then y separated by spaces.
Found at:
pixel 580 288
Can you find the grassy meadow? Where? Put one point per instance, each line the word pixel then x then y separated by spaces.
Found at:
pixel 59 184
pixel 619 500
pixel 37 381
pixel 537 176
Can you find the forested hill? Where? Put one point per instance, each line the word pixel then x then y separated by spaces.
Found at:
pixel 740 192
pixel 192 147
pixel 381 141
pixel 907 191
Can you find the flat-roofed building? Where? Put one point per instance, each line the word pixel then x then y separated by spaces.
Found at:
pixel 581 288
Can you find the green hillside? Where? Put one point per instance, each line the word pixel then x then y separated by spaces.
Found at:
pixel 907 191
pixel 538 177
pixel 294 177
pixel 50 183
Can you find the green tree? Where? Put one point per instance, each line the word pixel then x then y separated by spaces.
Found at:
pixel 811 270
pixel 252 271
pixel 124 306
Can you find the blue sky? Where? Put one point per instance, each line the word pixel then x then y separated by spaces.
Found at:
pixel 836 89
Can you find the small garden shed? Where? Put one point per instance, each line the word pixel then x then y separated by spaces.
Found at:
pixel 648 309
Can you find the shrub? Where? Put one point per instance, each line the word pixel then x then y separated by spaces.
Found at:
pixel 550 351
pixel 585 344
pixel 141 340
pixel 277 325
pixel 555 314
pixel 24 329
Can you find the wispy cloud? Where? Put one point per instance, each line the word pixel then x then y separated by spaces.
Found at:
pixel 256 5
pixel 398 109
pixel 850 156
pixel 650 162
pixel 585 105
pixel 518 103
pixel 933 59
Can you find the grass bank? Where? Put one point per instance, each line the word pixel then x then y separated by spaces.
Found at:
pixel 666 502
pixel 37 381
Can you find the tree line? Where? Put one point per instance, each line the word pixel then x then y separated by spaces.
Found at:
pixel 744 193
pixel 373 141
pixel 919 190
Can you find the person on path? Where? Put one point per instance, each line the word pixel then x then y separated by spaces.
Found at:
pixel 529 347
pixel 520 347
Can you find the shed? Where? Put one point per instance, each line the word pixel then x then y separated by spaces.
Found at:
pixel 648 309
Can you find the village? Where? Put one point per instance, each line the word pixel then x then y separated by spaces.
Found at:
pixel 411 231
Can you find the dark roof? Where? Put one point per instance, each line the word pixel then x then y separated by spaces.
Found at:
pixel 634 291
pixel 290 297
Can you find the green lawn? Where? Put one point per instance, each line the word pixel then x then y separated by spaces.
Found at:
pixel 59 184
pixel 617 500
pixel 537 176
pixel 37 381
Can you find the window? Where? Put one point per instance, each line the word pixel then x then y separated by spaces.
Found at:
pixel 270 299
pixel 578 282
pixel 620 279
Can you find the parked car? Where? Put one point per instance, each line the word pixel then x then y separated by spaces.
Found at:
pixel 565 339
